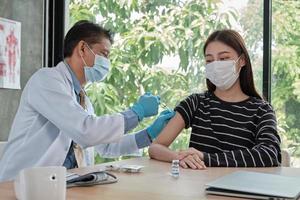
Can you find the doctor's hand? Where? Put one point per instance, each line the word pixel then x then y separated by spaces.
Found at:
pixel 146 106
pixel 161 121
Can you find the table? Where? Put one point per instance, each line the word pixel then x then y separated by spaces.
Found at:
pixel 154 182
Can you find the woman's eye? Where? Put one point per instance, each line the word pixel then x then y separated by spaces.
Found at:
pixel 225 58
pixel 208 61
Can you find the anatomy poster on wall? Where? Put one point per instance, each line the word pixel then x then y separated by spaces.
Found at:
pixel 10 53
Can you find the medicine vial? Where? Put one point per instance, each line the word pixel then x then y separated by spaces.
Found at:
pixel 175 168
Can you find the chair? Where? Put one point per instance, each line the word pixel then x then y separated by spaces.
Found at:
pixel 285 158
pixel 2 145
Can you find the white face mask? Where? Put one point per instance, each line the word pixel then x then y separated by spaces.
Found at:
pixel 222 74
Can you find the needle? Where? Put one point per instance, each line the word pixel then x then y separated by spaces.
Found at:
pixel 164 105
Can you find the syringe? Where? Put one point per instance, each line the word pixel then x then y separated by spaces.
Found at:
pixel 164 105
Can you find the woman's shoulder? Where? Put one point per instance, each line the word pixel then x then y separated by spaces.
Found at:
pixel 260 104
pixel 201 95
pixel 196 98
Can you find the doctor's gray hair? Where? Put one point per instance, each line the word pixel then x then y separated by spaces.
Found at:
pixel 87 31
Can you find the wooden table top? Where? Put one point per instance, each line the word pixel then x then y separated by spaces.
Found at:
pixel 153 182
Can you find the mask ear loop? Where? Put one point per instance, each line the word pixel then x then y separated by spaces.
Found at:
pixel 101 54
pixel 235 62
pixel 90 50
pixel 83 60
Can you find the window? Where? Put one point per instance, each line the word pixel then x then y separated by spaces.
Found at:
pixel 158 48
pixel 285 85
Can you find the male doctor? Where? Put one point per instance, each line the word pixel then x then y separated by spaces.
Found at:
pixel 55 123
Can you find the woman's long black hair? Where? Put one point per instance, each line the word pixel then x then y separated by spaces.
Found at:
pixel 235 40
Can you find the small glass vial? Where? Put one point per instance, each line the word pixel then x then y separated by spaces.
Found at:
pixel 175 168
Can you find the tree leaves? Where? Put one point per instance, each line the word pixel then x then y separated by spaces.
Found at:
pixel 146 32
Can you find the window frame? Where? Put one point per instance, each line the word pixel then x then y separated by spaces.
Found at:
pixel 54 29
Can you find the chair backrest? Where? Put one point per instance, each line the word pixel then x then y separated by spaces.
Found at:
pixel 285 158
pixel 2 145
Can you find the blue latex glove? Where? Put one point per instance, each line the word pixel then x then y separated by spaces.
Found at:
pixel 156 127
pixel 146 106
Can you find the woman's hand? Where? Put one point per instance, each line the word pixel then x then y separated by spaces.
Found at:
pixel 191 158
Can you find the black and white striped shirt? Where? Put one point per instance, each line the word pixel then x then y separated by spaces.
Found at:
pixel 242 134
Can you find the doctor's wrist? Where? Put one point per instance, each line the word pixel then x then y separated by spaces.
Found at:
pixel 142 139
pixel 130 120
pixel 138 110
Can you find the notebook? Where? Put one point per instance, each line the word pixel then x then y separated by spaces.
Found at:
pixel 255 185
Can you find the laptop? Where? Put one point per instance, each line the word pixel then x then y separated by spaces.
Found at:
pixel 255 185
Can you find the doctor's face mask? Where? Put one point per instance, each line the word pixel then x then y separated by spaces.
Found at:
pixel 99 70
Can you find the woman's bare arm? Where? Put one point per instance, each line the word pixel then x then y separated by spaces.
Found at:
pixel 159 148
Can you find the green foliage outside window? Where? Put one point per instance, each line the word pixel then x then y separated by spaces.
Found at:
pixel 148 30
pixel 286 72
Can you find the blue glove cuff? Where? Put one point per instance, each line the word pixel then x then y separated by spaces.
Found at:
pixel 139 111
pixel 150 131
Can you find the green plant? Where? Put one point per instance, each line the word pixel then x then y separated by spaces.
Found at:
pixel 147 31
pixel 285 83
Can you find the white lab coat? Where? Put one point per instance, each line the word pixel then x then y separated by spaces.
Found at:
pixel 49 118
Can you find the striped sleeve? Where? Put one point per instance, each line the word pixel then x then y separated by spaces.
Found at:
pixel 187 107
pixel 265 153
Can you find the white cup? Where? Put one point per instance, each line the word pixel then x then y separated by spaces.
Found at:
pixel 47 183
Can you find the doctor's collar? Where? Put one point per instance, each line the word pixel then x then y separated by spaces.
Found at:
pixel 76 83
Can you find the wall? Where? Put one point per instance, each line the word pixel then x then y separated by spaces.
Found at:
pixel 30 14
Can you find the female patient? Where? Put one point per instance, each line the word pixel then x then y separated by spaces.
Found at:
pixel 232 126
